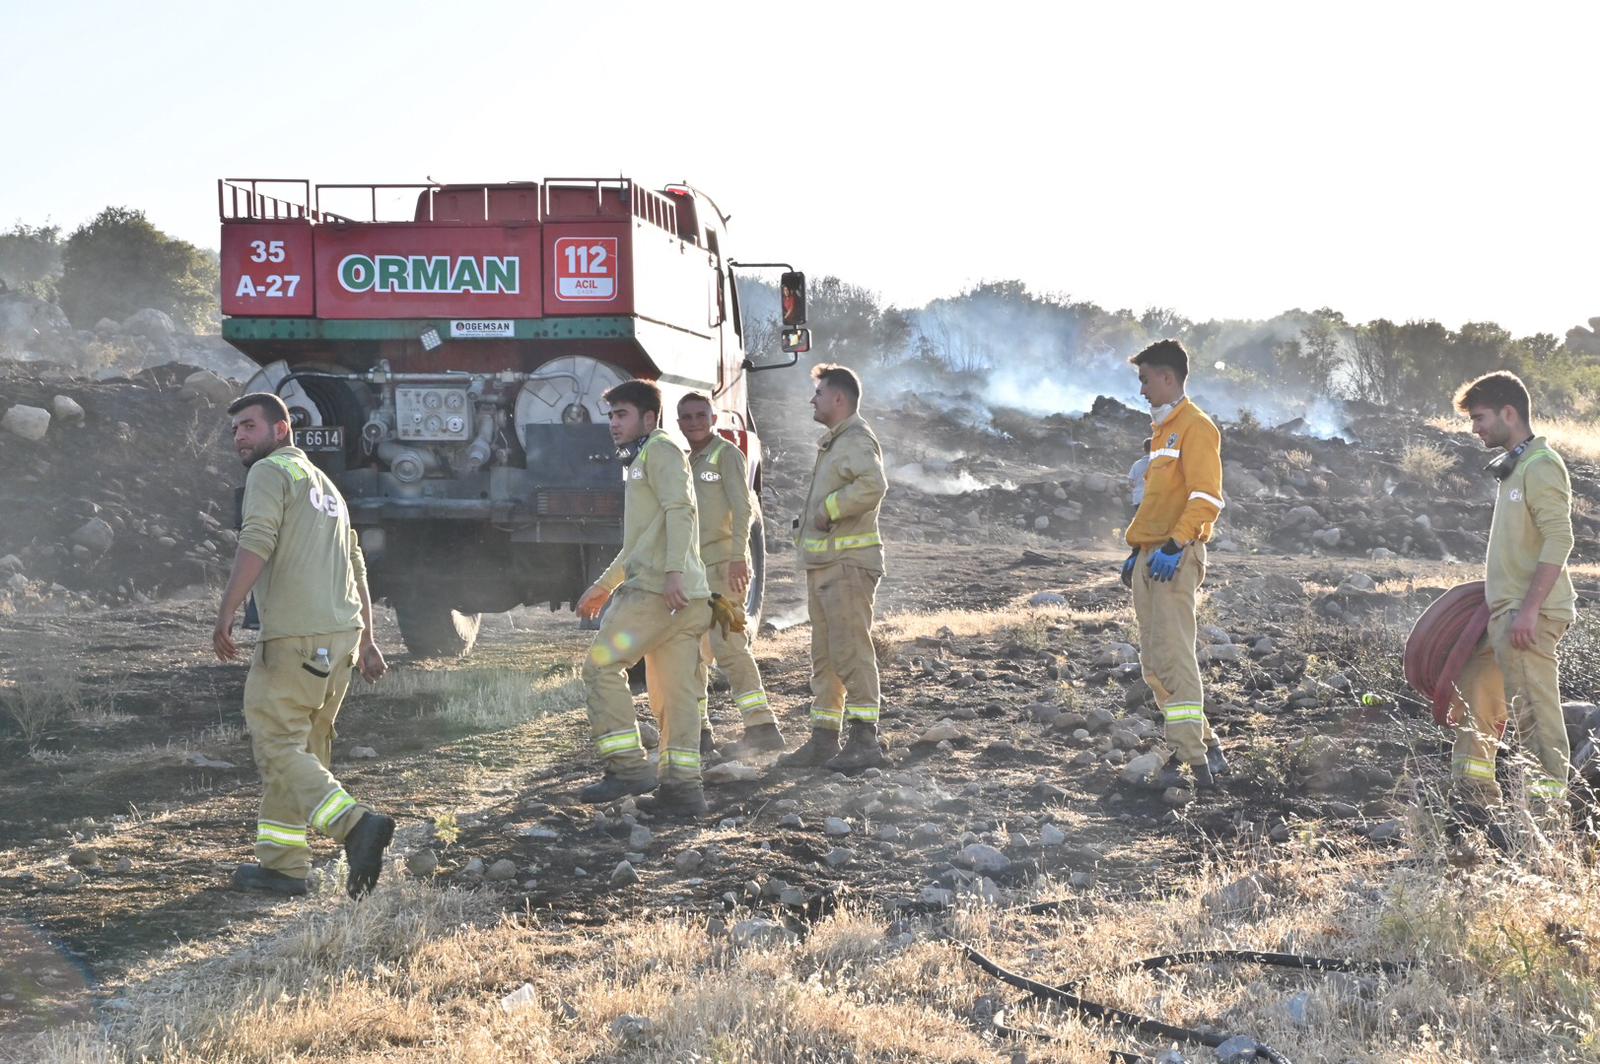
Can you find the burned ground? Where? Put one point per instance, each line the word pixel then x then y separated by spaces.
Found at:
pixel 1012 706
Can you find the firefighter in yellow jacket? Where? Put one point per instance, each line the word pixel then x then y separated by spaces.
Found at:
pixel 1531 605
pixel 726 509
pixel 842 554
pixel 1168 534
pixel 300 555
pixel 659 614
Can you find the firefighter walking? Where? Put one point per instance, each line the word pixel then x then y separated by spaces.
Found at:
pixel 1531 604
pixel 301 557
pixel 1168 534
pixel 726 507
pixel 842 554
pixel 659 613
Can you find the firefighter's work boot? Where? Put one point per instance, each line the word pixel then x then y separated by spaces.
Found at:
pixel 709 754
pixel 861 750
pixel 677 801
pixel 1216 761
pixel 1467 815
pixel 363 852
pixel 1171 775
pixel 253 877
pixel 822 747
pixel 757 739
pixel 612 787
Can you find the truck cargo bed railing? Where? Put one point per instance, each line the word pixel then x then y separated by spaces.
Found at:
pixel 240 199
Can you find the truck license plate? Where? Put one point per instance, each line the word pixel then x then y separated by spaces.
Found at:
pixel 320 438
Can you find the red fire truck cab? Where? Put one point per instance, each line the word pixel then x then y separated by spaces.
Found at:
pixel 443 350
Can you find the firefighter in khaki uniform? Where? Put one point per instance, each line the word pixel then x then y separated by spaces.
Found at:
pixel 1531 604
pixel 660 613
pixel 723 500
pixel 842 554
pixel 299 553
pixel 1168 534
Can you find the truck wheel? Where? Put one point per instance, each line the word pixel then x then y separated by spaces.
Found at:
pixel 433 630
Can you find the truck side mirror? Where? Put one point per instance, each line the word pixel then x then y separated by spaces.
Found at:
pixel 792 287
pixel 796 341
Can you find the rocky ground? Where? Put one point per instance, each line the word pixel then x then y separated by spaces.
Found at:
pixel 1020 732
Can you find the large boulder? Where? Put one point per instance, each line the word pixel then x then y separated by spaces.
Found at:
pixel 25 320
pixel 150 323
pixel 205 385
pixel 29 422
pixel 94 535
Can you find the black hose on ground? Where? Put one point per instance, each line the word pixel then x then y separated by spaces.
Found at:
pixel 1065 994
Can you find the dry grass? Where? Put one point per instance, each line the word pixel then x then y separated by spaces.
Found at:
pixel 1425 462
pixel 487 699
pixel 40 698
pixel 1505 970
pixel 1575 437
pixel 1298 459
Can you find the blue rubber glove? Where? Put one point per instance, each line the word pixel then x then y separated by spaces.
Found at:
pixel 1128 566
pixel 1164 562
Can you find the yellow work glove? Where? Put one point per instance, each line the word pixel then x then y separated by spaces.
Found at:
pixel 726 615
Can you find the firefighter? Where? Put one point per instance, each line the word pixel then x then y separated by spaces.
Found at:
pixel 1531 604
pixel 658 616
pixel 842 554
pixel 725 506
pixel 1168 534
pixel 301 557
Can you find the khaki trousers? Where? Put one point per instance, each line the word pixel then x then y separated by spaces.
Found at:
pixel 732 653
pixel 844 664
pixel 1165 611
pixel 638 625
pixel 1499 676
pixel 290 701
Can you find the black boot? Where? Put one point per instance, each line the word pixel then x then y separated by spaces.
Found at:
pixel 820 748
pixel 757 739
pixel 1216 761
pixel 1171 775
pixel 253 877
pixel 611 787
pixel 363 852
pixel 677 801
pixel 861 750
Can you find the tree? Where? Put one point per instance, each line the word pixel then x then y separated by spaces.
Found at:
pixel 1377 362
pixel 30 259
pixel 119 263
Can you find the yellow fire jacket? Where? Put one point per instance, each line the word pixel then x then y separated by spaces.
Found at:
pixel 848 481
pixel 660 532
pixel 1183 485
pixel 722 494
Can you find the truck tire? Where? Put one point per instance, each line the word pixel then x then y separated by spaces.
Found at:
pixel 432 629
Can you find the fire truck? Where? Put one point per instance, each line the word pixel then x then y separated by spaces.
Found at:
pixel 443 350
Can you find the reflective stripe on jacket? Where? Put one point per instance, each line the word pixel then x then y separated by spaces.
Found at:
pixel 848 483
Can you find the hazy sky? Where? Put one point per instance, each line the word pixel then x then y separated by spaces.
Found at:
pixel 1229 160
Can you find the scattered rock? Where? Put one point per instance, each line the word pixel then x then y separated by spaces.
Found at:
pixel 1243 896
pixel 1240 1049
pixel 474 867
pixel 501 871
pixel 632 1030
pixel 791 820
pixel 1050 835
pixel 623 875
pixel 940 896
pixel 1046 598
pixel 523 997
pixel 202 761
pixel 639 838
pixel 1298 1008
pixel 835 827
pixel 981 857
pixel 1177 796
pixel 66 409
pixel 29 422
pixel 207 386
pixel 944 731
pixel 759 933
pixel 1224 652
pixel 362 753
pixel 688 861
pixel 1388 831
pixel 1116 654
pixel 151 323
pixel 424 863
pixel 1141 768
pixel 730 772
pixel 94 535
pixel 837 857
